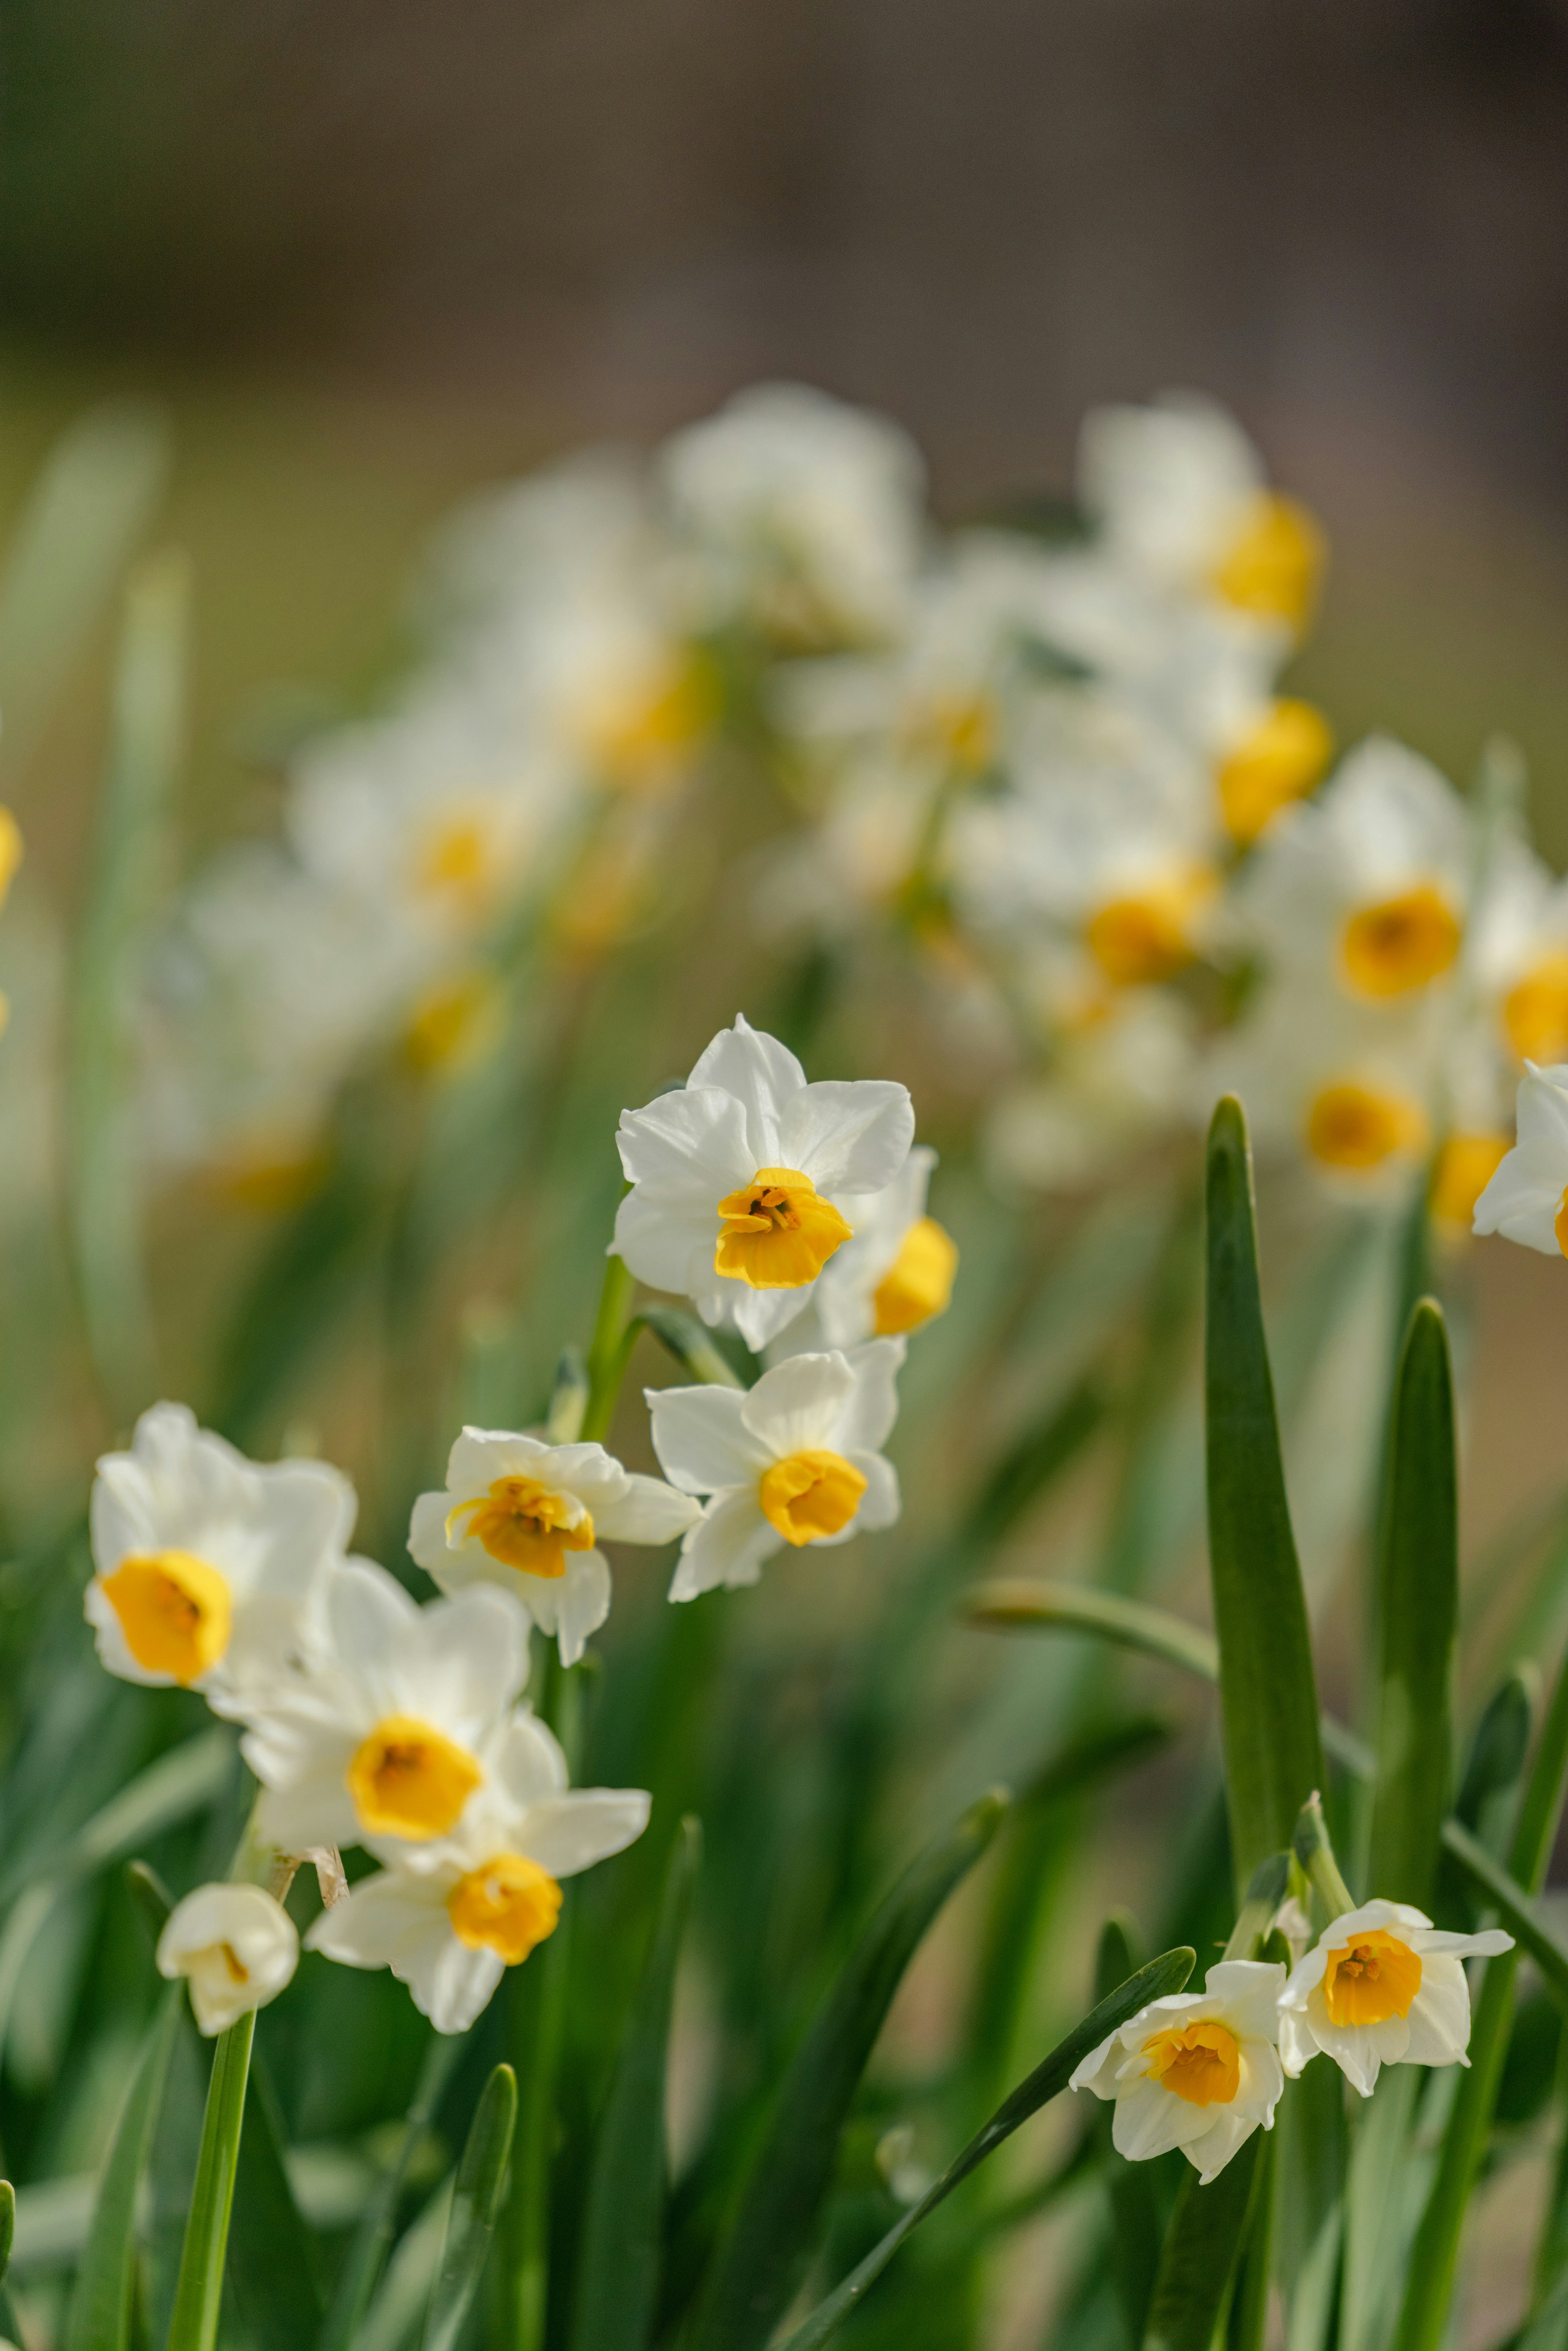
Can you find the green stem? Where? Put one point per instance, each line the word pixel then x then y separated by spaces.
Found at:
pixel 1436 2248
pixel 199 2291
pixel 1316 1855
pixel 614 1336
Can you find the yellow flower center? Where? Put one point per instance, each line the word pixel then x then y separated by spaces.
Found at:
pixel 174 1611
pixel 456 863
pixel 1402 943
pixel 961 728
pixel 811 1494
pixel 1147 936
pixel 1466 1166
pixel 10 850
pixel 1273 567
pixel 1375 1977
pixel 409 1779
pixel 775 1233
pixel 1559 1224
pixel 1351 1126
pixel 919 1282
pixel 234 1965
pixel 642 737
pixel 1535 1013
pixel 1199 2062
pixel 453 1022
pixel 1279 762
pixel 524 1526
pixel 509 1906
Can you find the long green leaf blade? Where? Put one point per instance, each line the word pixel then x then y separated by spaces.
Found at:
pixel 198 2295
pixel 475 2204
pixel 618 2269
pixel 1514 1908
pixel 1273 1756
pixel 1014 1604
pixel 1162 1977
pixel 101 2303
pixel 366 2257
pixel 272 2255
pixel 1418 1586
pixel 1202 2249
pixel 760 2262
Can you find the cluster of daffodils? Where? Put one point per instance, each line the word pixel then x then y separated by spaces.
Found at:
pixel 1380 1986
pixel 587 634
pixel 790 1213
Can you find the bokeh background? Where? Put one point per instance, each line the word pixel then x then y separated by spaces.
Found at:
pixel 372 254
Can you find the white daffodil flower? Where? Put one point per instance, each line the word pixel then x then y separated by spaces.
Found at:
pixel 1180 495
pixel 803 516
pixel 745 1180
pixel 1198 2072
pixel 450 1932
pixel 1123 1068
pixel 529 1517
pixel 399 1725
pixel 1371 882
pixel 209 1569
pixel 1527 1198
pixel 794 1460
pixel 892 1277
pixel 1382 1987
pixel 236 1946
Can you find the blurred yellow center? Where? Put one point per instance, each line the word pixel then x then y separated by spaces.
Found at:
pixel 524 1526
pixel 457 860
pixel 1466 1166
pixel 270 1176
pixel 173 1610
pixel 453 1022
pixel 1535 1013
pixel 1199 2062
pixel 1353 1127
pixel 809 1495
pixel 776 1233
pixel 1273 566
pixel 962 729
pixel 409 1779
pixel 919 1282
pixel 1401 943
pixel 509 1906
pixel 1280 761
pixel 1147 936
pixel 234 1965
pixel 10 849
pixel 642 736
pixel 1375 1977
pixel 1559 1224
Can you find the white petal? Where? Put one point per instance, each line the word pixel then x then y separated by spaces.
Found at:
pixel 1150 2121
pixel 848 1138
pixel 759 1315
pixel 383 1921
pixel 452 1985
pixel 881 1502
pixel 1298 2045
pixel 1229 2133
pixel 529 1766
pixel 869 1416
pixel 763 1076
pixel 1099 2070
pixel 796 1406
pixel 728 1544
pixel 648 1513
pixel 480 1456
pixel 703 1440
pixel 427 1541
pixel 570 1832
pixel 1440 2018
pixel 582 1602
pixel 1250 1989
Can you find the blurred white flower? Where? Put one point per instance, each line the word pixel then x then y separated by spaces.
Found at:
pixel 1200 2070
pixel 1355 1096
pixel 399 1724
pixel 737 1179
pixel 450 1931
pixel 1379 1987
pixel 805 515
pixel 1123 1068
pixel 796 1459
pixel 1527 1198
pixel 529 1517
pixel 236 1947
pixel 209 1569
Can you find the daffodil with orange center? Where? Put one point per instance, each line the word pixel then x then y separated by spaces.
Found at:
pixel 1198 2072
pixel 1382 1987
pixel 1526 1198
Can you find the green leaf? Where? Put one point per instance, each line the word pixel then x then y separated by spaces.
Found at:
pixel 1014 1604
pixel 761 2257
pixel 1436 2254
pixel 475 2203
pixel 617 2268
pixel 7 2226
pixel 1202 2250
pixel 272 2255
pixel 693 1345
pixel 184 1780
pixel 1134 2209
pixel 1417 1607
pixel 1160 1978
pixel 101 2303
pixel 1269 1708
pixel 367 2255
pixel 1514 1908
pixel 198 2295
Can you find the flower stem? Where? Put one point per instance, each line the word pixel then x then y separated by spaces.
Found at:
pixel 614 1336
pixel 1315 1853
pixel 198 2294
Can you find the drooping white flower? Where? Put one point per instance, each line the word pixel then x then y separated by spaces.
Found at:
pixel 209 1569
pixel 892 1277
pixel 804 512
pixel 1527 1198
pixel 794 1460
pixel 745 1180
pixel 1200 2072
pixel 236 1947
pixel 1382 1987
pixel 398 1726
pixel 450 1931
pixel 529 1517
